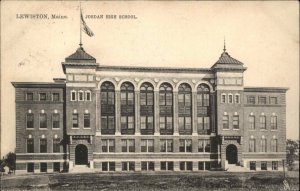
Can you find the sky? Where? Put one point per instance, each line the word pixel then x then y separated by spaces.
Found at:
pixel 262 35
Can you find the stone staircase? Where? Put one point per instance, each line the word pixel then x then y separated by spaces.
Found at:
pixel 235 168
pixel 81 169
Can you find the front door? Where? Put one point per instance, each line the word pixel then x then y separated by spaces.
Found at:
pixel 81 155
pixel 231 154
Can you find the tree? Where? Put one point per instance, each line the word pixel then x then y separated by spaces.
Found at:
pixel 292 148
pixel 10 161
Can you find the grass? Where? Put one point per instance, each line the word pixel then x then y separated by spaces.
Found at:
pixel 152 181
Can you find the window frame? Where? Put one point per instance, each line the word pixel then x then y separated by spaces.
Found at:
pixel 45 122
pixel 43 94
pixel 73 92
pixel 86 95
pixel 43 147
pixel 52 121
pixel 87 121
pixel 26 116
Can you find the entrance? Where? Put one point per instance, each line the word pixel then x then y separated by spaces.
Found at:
pixel 81 155
pixel 231 154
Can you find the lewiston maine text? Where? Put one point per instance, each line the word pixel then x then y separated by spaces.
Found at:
pixel 115 118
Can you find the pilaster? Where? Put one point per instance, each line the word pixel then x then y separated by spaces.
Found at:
pixel 194 113
pixel 156 113
pixel 137 113
pixel 118 112
pixel 175 112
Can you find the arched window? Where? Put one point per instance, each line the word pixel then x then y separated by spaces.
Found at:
pixel 185 108
pixel 147 109
pixel 203 110
pixel 127 108
pixel 107 108
pixel 166 109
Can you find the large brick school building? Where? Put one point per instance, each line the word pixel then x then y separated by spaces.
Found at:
pixel 116 118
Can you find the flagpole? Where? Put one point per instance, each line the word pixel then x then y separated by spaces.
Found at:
pixel 80 44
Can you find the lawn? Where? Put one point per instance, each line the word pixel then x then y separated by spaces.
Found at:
pixel 152 181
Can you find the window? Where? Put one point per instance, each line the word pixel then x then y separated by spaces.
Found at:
pixel 252 165
pixel 186 166
pixel 203 123
pixel 30 145
pixel 56 167
pixel 274 145
pixel 184 100
pixel 107 108
pixel 237 98
pixel 165 95
pixel 42 96
pixel 73 96
pixel 29 96
pixel 230 98
pixel 235 122
pixel 166 145
pixel 55 97
pixel 128 145
pixel 203 95
pixel 107 93
pixel 55 120
pixel 127 122
pixel 203 165
pixel 251 119
pixel 127 108
pixel 225 122
pixel 29 121
pixel 166 165
pixel 146 122
pixel 43 145
pixel 273 100
pixel 273 122
pixel 223 98
pixel 146 94
pixel 80 96
pixel 166 122
pixel 147 145
pixel 262 122
pixel 147 166
pixel 127 94
pixel 88 96
pixel 30 167
pixel 185 145
pixel 128 166
pixel 86 120
pixel 43 167
pixel 107 122
pixel 204 146
pixel 56 145
pixel 43 120
pixel 274 165
pixel 263 145
pixel 262 100
pixel 108 166
pixel 108 145
pixel 75 120
pixel 185 123
pixel 251 99
pixel 252 145
pixel 264 165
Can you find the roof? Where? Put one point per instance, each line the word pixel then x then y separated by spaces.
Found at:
pixel 266 89
pixel 225 58
pixel 226 62
pixel 80 56
pixel 38 84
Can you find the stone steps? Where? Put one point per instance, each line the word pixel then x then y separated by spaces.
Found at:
pixel 235 168
pixel 81 169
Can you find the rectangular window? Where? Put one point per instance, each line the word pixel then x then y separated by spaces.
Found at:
pixel 251 99
pixel 107 122
pixel 185 123
pixel 30 145
pixel 43 167
pixel 166 165
pixel 230 99
pixel 55 97
pixel 108 166
pixel 235 122
pixel 80 96
pixel 43 120
pixel 73 96
pixel 186 166
pixel 42 96
pixel 128 145
pixel 75 120
pixel 204 145
pixel 86 122
pixel 273 122
pixel 264 165
pixel 262 100
pixel 29 121
pixel 274 165
pixel 55 120
pixel 207 165
pixel 127 122
pixel 88 96
pixel 43 145
pixel 273 100
pixel 251 122
pixel 252 165
pixel 128 166
pixel 263 145
pixel 225 122
pixel 30 167
pixel 223 98
pixel 147 145
pixel 147 166
pixel 56 145
pixel 185 145
pixel 56 167
pixel 252 145
pixel 237 99
pixel 108 145
pixel 29 96
pixel 262 122
pixel 274 147
pixel 166 145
